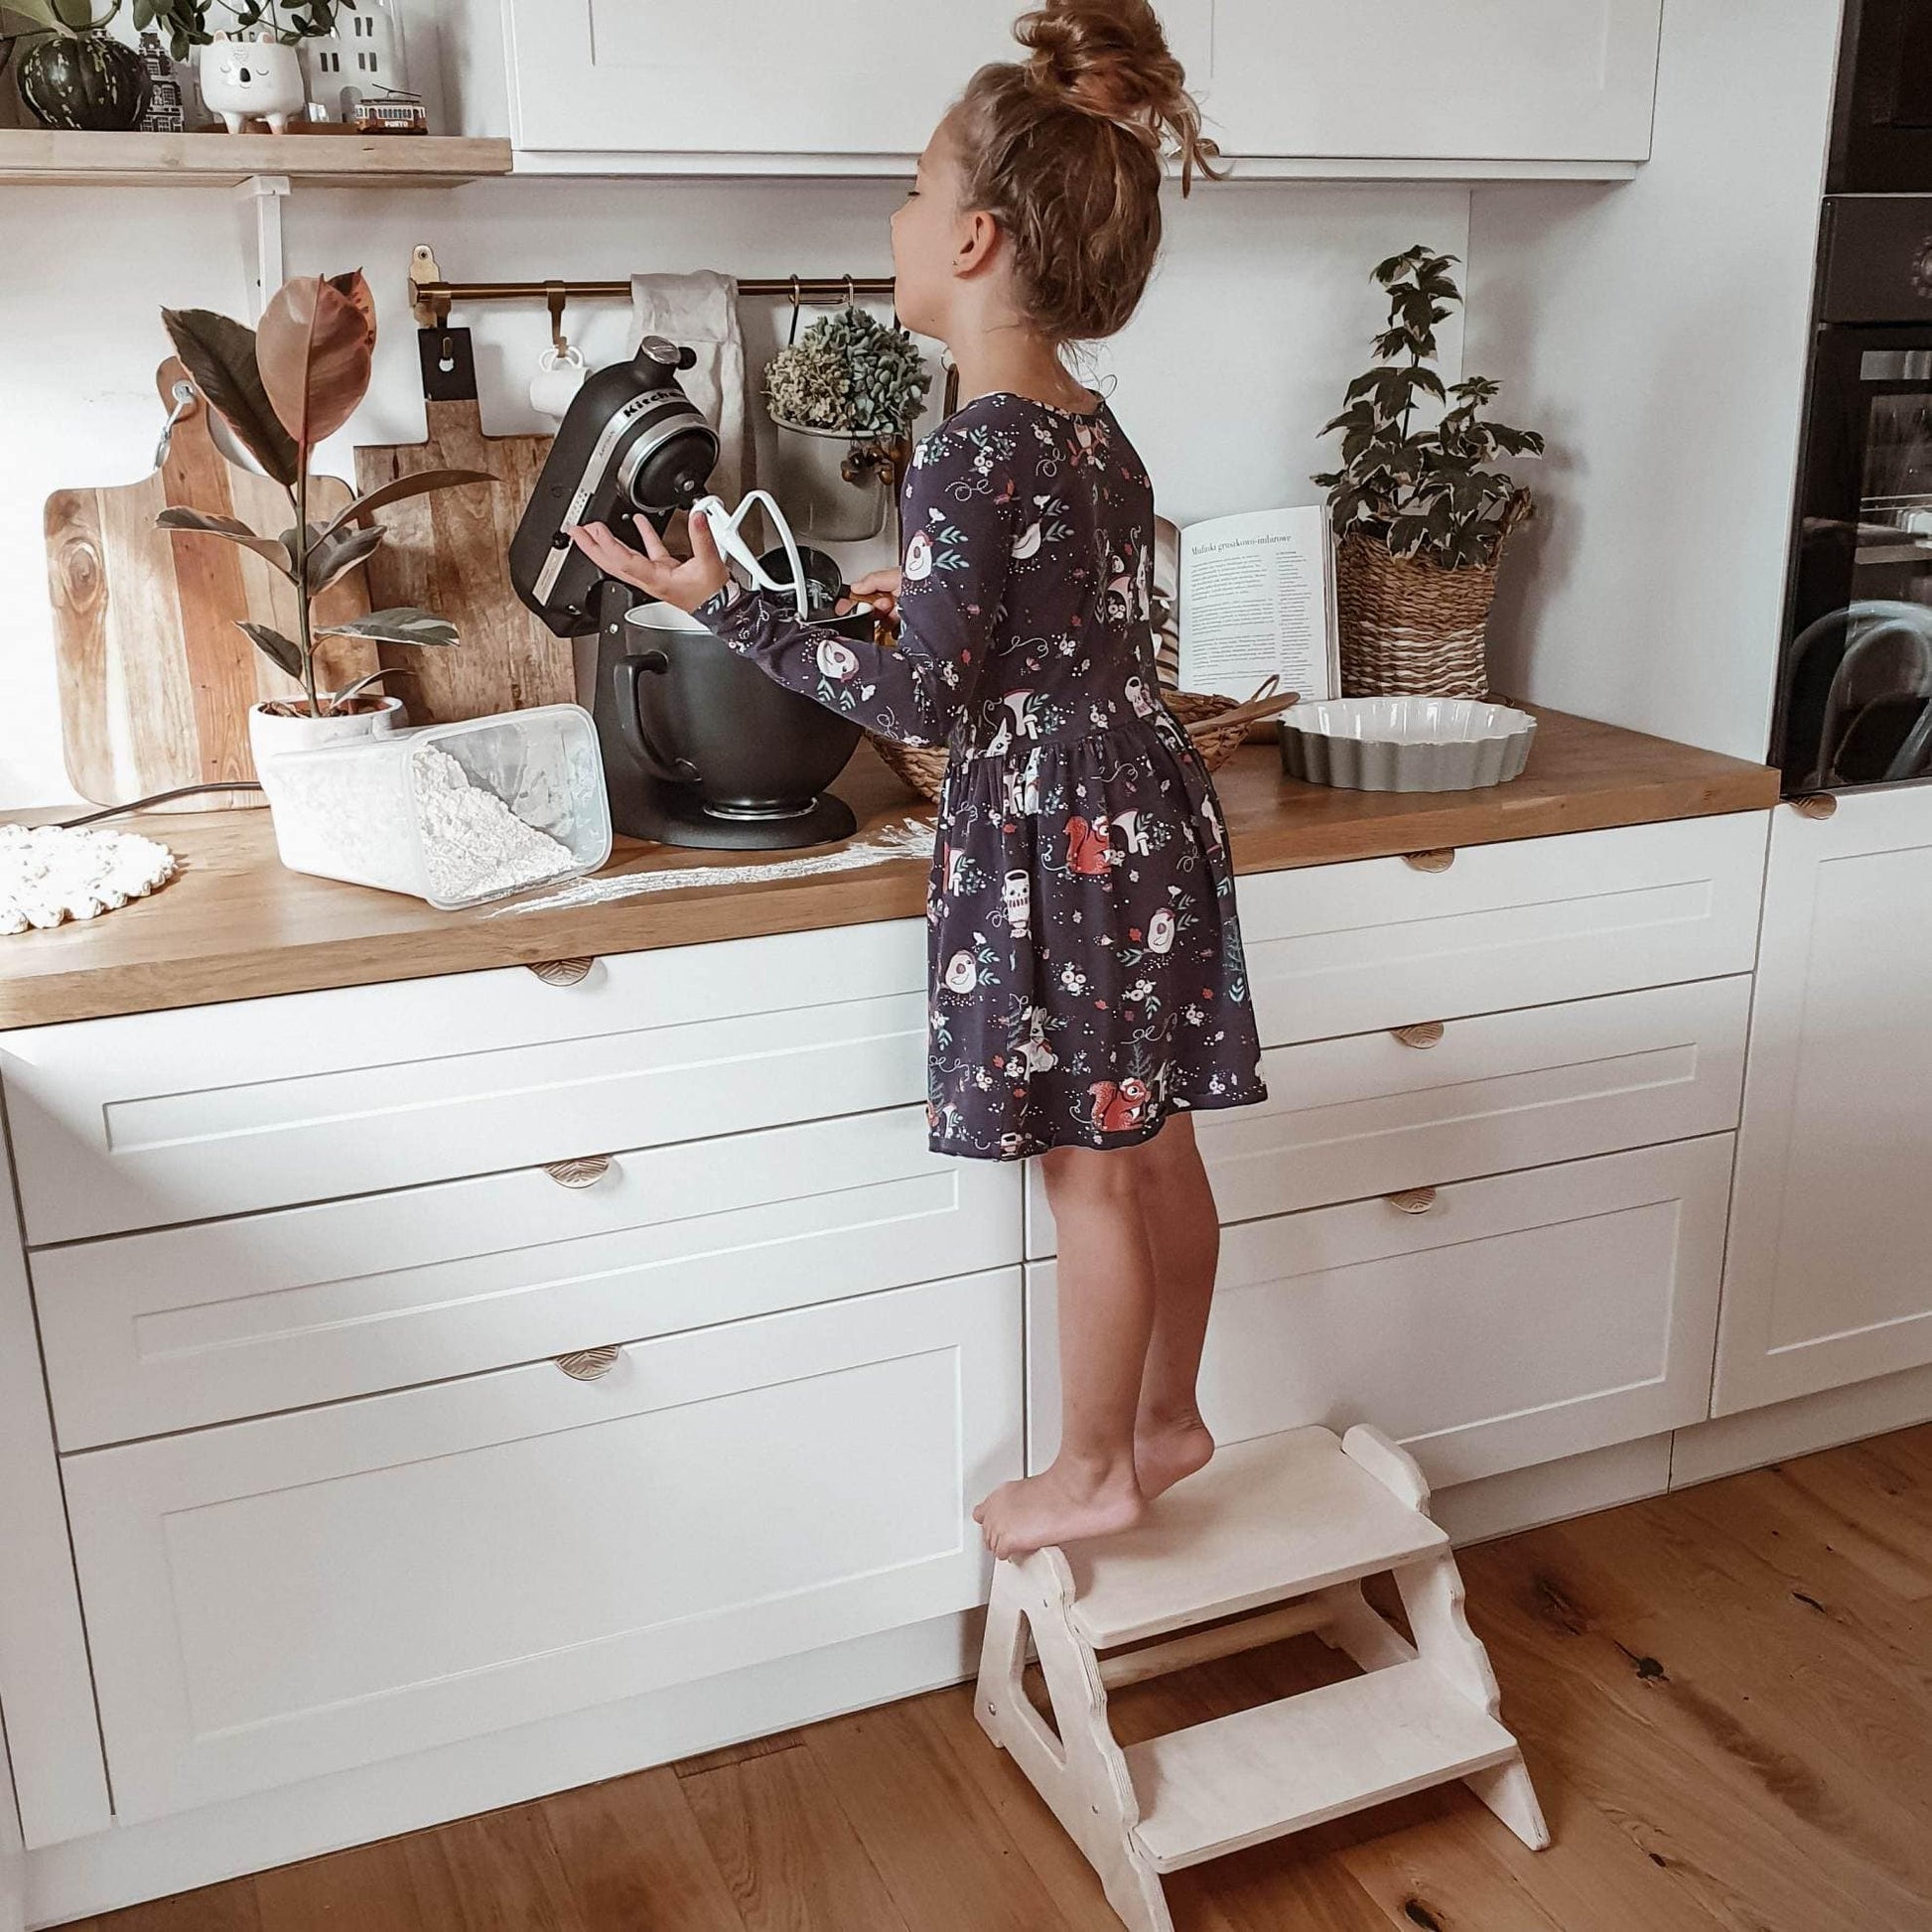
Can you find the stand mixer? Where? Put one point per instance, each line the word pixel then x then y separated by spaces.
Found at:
pixel 699 748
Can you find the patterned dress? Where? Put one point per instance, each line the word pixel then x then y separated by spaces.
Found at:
pixel 1086 968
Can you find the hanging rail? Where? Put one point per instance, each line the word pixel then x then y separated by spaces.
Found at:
pixel 432 297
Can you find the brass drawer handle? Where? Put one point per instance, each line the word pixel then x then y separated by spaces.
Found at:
pixel 1438 860
pixel 1817 805
pixel 588 1364
pixel 1429 1033
pixel 562 972
pixel 585 1172
pixel 1412 1201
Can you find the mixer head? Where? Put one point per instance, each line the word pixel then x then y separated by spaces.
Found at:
pixel 633 442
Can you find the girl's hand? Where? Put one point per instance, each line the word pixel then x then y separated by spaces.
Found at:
pixel 880 589
pixel 653 569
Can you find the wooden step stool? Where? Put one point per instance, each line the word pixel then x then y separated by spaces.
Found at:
pixel 1301 1517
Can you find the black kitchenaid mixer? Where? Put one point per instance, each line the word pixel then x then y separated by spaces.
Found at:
pixel 699 748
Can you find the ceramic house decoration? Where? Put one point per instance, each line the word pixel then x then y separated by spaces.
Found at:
pixel 363 57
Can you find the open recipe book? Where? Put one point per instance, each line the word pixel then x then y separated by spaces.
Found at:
pixel 1257 600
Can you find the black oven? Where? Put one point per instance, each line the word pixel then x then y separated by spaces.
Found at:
pixel 1881 123
pixel 1855 696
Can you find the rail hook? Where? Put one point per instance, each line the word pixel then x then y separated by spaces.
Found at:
pixel 555 294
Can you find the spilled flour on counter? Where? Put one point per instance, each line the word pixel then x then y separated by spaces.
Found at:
pixel 910 838
pixel 48 875
pixel 474 845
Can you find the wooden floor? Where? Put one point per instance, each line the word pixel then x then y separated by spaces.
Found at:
pixel 1726 1696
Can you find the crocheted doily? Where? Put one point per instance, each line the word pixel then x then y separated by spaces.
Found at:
pixel 48 875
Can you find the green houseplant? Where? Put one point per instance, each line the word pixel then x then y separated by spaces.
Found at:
pixel 281 389
pixel 75 74
pixel 845 397
pixel 1418 512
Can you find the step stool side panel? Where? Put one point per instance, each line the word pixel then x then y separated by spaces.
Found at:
pixel 1083 1775
pixel 1389 1464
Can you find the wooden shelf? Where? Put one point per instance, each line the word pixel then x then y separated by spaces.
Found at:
pixel 43 157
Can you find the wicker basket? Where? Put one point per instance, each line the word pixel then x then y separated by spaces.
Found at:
pixel 1409 626
pixel 1217 726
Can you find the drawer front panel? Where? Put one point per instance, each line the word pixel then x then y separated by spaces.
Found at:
pixel 183 1326
pixel 1519 1320
pixel 1350 948
pixel 1369 1115
pixel 278 1599
pixel 161 1118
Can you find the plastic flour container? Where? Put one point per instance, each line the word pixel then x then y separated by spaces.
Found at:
pixel 454 814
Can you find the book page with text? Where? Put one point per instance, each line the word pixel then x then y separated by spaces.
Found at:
pixel 1256 603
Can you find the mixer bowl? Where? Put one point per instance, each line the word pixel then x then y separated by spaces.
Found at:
pixel 737 759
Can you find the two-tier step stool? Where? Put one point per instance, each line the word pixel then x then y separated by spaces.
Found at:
pixel 1294 1521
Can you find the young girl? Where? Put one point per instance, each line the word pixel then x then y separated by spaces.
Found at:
pixel 1087 985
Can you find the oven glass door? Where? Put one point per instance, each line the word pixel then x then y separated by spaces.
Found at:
pixel 1856 693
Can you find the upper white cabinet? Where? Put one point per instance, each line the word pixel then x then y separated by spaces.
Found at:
pixel 1294 85
pixel 1434 80
pixel 1827 1279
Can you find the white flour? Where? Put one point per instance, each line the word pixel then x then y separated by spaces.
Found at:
pixel 48 876
pixel 474 845
pixel 346 815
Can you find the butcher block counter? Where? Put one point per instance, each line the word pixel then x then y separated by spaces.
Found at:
pixel 235 926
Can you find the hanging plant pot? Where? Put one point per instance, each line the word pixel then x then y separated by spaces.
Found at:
pixel 83 82
pixel 824 506
pixel 1410 628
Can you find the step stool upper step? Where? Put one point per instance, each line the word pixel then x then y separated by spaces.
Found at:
pixel 1272 1518
pixel 1282 1767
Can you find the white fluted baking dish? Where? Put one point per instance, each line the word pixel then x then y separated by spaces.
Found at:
pixel 1406 743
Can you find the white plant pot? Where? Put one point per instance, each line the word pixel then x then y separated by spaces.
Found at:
pixel 821 504
pixel 246 78
pixel 270 734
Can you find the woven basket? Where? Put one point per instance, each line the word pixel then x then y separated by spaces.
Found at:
pixel 1217 726
pixel 1411 628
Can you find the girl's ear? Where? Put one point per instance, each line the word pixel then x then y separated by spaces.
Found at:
pixel 977 244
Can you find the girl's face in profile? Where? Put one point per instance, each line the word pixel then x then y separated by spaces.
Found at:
pixel 928 237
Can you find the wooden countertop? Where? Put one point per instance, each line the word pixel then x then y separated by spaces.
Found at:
pixel 235 926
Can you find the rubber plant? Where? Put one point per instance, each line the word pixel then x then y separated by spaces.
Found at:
pixel 282 388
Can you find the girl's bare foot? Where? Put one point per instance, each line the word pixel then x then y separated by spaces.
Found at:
pixel 1062 1505
pixel 1166 1450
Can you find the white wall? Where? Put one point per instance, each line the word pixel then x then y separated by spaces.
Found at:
pixel 1656 333
pixel 1261 311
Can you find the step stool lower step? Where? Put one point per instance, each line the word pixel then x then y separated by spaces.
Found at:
pixel 1282 1767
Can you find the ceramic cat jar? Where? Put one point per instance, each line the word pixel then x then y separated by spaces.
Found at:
pixel 252 78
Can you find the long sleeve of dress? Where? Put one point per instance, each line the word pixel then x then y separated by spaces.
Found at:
pixel 960 497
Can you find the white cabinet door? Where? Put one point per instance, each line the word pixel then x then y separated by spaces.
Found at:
pixel 749 77
pixel 273 1600
pixel 1517 1321
pixel 1829 1273
pixel 1372 1115
pixel 1478 80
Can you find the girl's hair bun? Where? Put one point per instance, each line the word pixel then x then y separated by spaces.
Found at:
pixel 1110 59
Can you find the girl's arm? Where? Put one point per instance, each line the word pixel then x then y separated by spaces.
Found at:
pixel 959 519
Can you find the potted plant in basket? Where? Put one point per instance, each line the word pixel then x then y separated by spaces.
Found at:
pixel 844 397
pixel 281 389
pixel 1419 516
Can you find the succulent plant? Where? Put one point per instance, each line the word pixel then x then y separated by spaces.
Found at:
pixel 851 372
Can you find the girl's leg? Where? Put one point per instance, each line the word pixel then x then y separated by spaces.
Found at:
pixel 1183 1233
pixel 1106 1297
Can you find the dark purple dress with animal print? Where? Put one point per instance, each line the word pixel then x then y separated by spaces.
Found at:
pixel 1086 968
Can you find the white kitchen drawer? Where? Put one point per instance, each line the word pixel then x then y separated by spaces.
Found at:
pixel 158 1118
pixel 180 1327
pixel 1351 948
pixel 278 1599
pixel 1519 1320
pixel 1369 1115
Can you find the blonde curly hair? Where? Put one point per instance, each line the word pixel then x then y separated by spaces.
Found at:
pixel 1067 151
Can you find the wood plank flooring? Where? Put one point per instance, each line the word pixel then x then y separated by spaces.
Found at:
pixel 1726 1696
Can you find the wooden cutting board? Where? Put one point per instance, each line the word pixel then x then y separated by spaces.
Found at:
pixel 155 679
pixel 449 552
